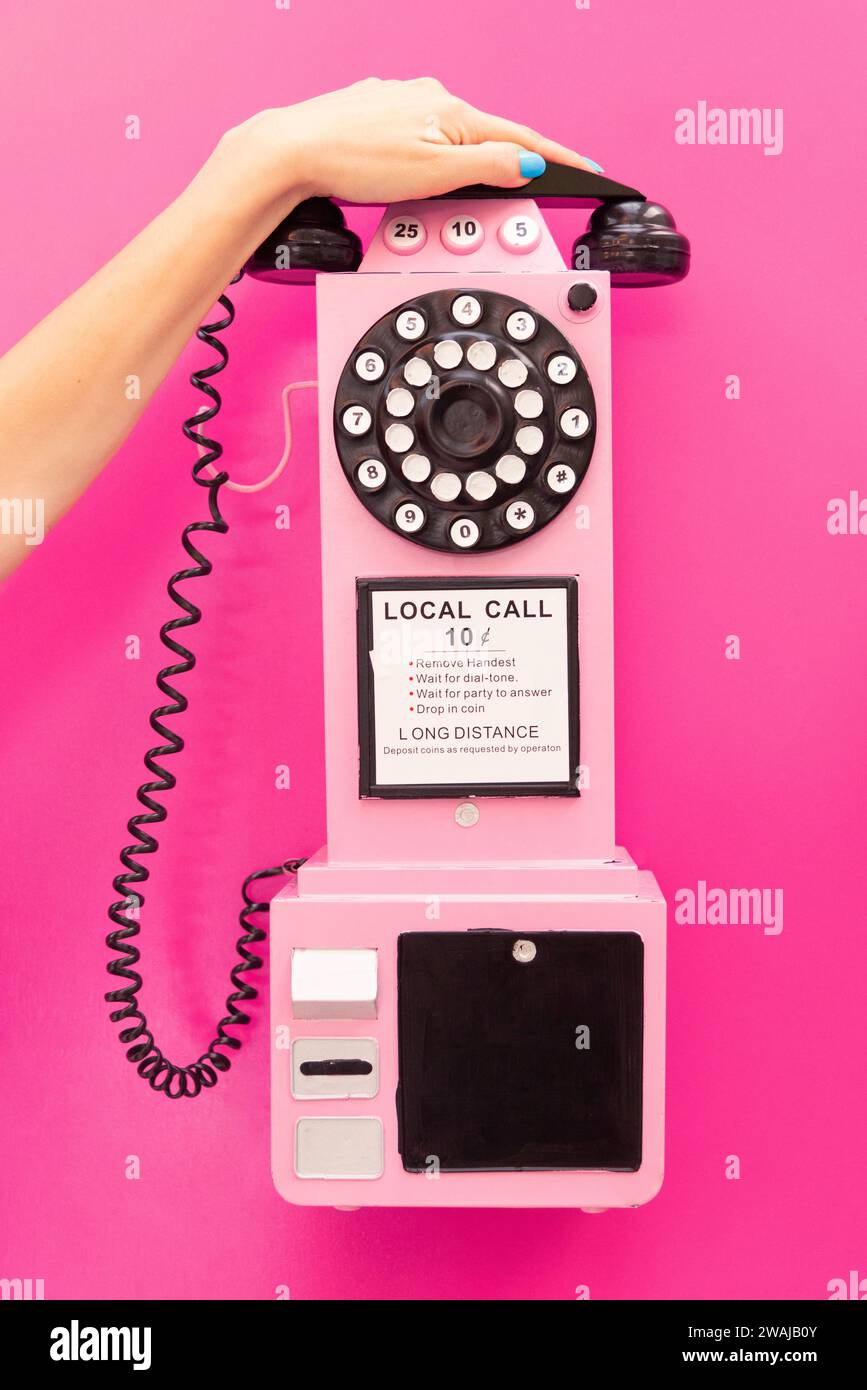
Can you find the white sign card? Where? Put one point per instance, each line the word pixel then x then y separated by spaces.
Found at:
pixel 468 687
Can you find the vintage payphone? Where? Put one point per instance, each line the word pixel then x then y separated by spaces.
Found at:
pixel 467 983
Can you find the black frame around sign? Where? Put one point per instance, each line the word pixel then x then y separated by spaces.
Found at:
pixel 366 705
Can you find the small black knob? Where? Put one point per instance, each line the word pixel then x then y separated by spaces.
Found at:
pixel 582 296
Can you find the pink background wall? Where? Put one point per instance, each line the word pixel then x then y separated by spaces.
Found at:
pixel 744 773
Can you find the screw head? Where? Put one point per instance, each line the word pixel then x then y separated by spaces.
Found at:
pixel 524 952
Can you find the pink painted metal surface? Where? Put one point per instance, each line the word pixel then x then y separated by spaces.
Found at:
pixel 355 545
pixel 550 862
pixel 376 923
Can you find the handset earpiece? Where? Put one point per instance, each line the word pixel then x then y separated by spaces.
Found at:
pixel 636 241
pixel 313 238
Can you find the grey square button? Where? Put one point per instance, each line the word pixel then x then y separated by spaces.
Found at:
pixel 346 1147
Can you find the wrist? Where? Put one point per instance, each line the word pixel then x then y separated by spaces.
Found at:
pixel 237 195
pixel 265 161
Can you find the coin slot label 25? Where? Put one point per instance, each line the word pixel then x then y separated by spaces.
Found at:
pixel 468 687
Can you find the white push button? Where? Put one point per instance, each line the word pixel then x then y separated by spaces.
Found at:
pixel 464 532
pixel 333 983
pixel 445 487
pixel 560 478
pixel 448 353
pixel 417 372
pixel 371 474
pixel 350 1146
pixel 400 402
pixel 410 325
pixel 482 356
pixel 409 517
pixel 520 326
pixel 404 235
pixel 415 468
pixel 510 469
pixel 481 486
pixel 575 423
pixel 512 373
pixel 520 516
pixel 335 1068
pixel 357 419
pixel 561 369
pixel 461 235
pixel 370 366
pixel 529 404
pixel 399 438
pixel 466 310
pixel 520 234
pixel 530 439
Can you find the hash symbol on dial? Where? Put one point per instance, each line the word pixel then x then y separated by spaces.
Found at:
pixel 464 420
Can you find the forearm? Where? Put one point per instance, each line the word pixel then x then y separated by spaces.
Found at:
pixel 73 388
pixel 71 391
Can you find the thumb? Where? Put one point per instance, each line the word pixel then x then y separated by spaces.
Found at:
pixel 500 163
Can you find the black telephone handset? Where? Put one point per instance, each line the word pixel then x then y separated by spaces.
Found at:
pixel 636 241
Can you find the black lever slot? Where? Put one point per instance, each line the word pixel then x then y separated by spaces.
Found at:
pixel 336 1066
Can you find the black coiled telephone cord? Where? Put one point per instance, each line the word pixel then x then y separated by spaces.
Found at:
pixel 150 1062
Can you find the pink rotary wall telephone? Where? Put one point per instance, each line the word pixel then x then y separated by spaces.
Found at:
pixel 467 984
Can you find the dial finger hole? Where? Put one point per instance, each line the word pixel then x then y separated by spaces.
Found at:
pixel 481 486
pixel 529 404
pixel 466 310
pixel 510 469
pixel 560 477
pixel 464 532
pixel 520 515
pixel 575 423
pixel 482 356
pixel 448 354
pixel 512 372
pixel 399 438
pixel 415 468
pixel 410 517
pixel 371 474
pixel 400 402
pixel 530 439
pixel 521 326
pixel 369 366
pixel 356 419
pixel 446 487
pixel 561 369
pixel 417 372
pixel 410 325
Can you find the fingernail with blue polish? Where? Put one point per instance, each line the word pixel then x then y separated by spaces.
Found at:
pixel 593 164
pixel 531 165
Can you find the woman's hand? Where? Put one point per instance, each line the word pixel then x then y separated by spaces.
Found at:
pixel 385 141
pixel 376 142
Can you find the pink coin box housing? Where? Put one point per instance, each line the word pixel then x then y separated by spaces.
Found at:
pixel 468 982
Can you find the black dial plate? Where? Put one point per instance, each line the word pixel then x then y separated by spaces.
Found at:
pixel 464 420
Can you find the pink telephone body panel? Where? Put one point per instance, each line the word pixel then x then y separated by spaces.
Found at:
pixel 467 984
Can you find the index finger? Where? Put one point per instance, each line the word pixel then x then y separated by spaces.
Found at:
pixel 490 127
